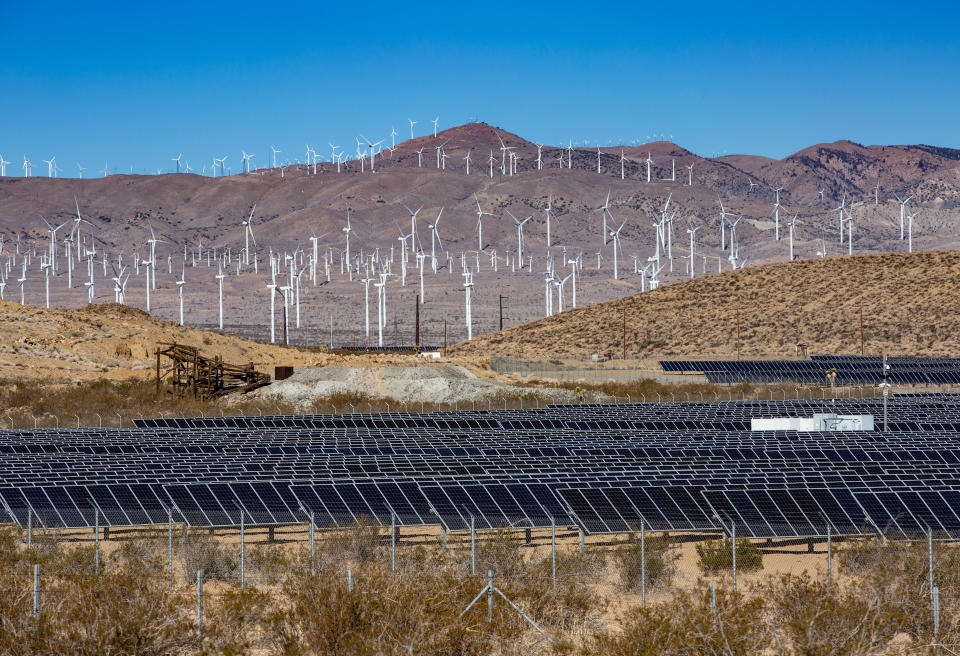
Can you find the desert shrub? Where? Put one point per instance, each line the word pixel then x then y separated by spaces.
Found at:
pixel 146 551
pixel 716 556
pixel 571 564
pixel 271 564
pixel 218 561
pixel 234 619
pixel 500 551
pixel 688 624
pixel 660 557
pixel 817 619
pixel 359 543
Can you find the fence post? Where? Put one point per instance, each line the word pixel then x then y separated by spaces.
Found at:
pixel 930 556
pixel 199 598
pixel 733 532
pixel 713 598
pixel 96 540
pixel 643 564
pixel 580 539
pixel 36 591
pixel 829 556
pixel 393 541
pixel 170 543
pixel 243 552
pixel 29 528
pixel 553 548
pixel 473 546
pixel 490 595
pixel 313 545
pixel 936 615
pixel 349 580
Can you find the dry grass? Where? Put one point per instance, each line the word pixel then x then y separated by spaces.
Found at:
pixel 876 604
pixel 910 306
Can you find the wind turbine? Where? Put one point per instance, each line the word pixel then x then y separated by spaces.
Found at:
pixel 347 232
pixel 790 225
pixel 840 209
pixel 413 227
pixel 616 249
pixel 220 277
pixel 177 160
pixel 180 284
pixel 467 158
pixel 248 235
pixel 876 192
pixel 434 237
pixel 903 205
pixel 3 166
pixel 649 161
pixel 479 228
pixel 393 137
pixel 692 231
pixel 412 123
pixel 81 169
pixel 372 153
pixel 604 209
pixel 274 150
pixel 776 212
pixel 690 175
pixel 51 163
pixel 468 289
pixel 27 166
pixel 519 225
pixel 435 122
pixel 910 230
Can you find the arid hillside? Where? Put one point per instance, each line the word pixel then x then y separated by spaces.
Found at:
pixel 114 341
pixel 910 306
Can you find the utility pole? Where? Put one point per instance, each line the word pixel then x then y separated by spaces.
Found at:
pixel 501 311
pixel 444 337
pixel 886 390
pixel 416 342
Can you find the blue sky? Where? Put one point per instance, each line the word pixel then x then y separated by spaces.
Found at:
pixel 133 84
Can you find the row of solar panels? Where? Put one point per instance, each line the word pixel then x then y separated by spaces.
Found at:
pixel 756 513
pixel 860 371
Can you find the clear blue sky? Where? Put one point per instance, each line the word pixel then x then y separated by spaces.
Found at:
pixel 136 83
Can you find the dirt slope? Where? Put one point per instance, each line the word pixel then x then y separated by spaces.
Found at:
pixel 910 305
pixel 113 341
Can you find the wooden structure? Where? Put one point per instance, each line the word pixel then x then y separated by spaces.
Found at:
pixel 190 373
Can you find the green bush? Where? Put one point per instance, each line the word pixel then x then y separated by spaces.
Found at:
pixel 717 556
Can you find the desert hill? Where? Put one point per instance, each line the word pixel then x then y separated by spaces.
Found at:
pixel 114 341
pixel 910 305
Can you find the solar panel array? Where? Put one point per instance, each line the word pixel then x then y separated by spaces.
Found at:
pixel 607 468
pixel 850 370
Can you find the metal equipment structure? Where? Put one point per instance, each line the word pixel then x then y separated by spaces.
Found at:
pixel 203 377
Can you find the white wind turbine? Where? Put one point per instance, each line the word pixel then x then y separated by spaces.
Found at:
pixel 840 209
pixel 467 159
pixel 420 158
pixel 479 227
pixel 519 225
pixel 412 123
pixel 910 218
pixel 274 150
pixel 3 166
pixel 373 153
pixel 776 213
pixel 393 137
pixel 539 157
pixel 273 301
pixel 604 209
pixel 248 235
pixel 617 250
pixel 80 169
pixel 51 164
pixel 690 175
pixel 692 231
pixel 903 204
pixel 27 166
pixel 180 285
pixel 347 232
pixel 649 162
pixel 177 160
pixel 876 192
pixel 220 277
pixel 52 257
pixel 790 225
pixel 468 290
pixel 413 227
pixel 434 238
pixel 45 267
pixel 435 122
pixel 23 279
